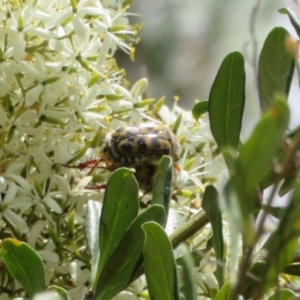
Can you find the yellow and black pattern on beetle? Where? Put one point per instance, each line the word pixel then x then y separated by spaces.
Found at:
pixel 140 146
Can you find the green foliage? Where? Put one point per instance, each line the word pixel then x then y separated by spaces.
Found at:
pixel 160 265
pixel 296 24
pixel 125 242
pixel 24 264
pixel 126 259
pixel 199 109
pixel 122 229
pixel 275 67
pixel 120 208
pixel 211 207
pixel 227 100
pixel 188 263
pixel 162 186
pixel 283 294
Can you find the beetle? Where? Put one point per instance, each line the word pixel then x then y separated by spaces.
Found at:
pixel 141 146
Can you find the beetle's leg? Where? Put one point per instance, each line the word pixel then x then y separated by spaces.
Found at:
pixel 92 163
pixel 97 187
pixel 96 165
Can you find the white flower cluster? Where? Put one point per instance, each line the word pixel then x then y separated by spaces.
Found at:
pixel 60 90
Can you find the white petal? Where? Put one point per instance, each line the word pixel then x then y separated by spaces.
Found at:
pixel 63 184
pixel 4 88
pixel 139 88
pixel 40 32
pixel 11 193
pixel 173 221
pixel 120 105
pixel 49 256
pixel 103 52
pixel 21 181
pixel 95 11
pixel 79 26
pixel 83 183
pixel 35 232
pixel 75 271
pixel 61 153
pixel 27 117
pixel 16 221
pixel 33 95
pixel 19 46
pixel 99 25
pixel 166 115
pixel 49 295
pixel 125 296
pixel 51 203
pixel 39 156
pixel 29 69
pixel 58 20
pixel 182 179
pixel 3 184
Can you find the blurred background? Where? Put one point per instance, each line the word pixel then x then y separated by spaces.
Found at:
pixel 184 42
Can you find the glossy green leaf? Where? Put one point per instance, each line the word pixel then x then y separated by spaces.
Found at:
pixel 284 294
pixel 127 258
pixel 257 155
pixel 24 264
pixel 292 269
pixel 162 186
pixel 189 286
pixel 199 109
pixel 120 207
pixel 210 204
pixel 293 18
pixel 224 292
pixel 91 227
pixel 62 292
pixel 275 67
pixel 227 100
pixel 159 263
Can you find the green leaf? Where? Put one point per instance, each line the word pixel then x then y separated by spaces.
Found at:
pixel 230 156
pixel 127 258
pixel 257 155
pixel 199 109
pixel 293 18
pixel 159 263
pixel 210 204
pixel 275 67
pixel 282 243
pixel 189 287
pixel 292 269
pixel 91 227
pixel 24 264
pixel 162 185
pixel 233 213
pixel 227 101
pixel 224 292
pixel 120 207
pixel 283 294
